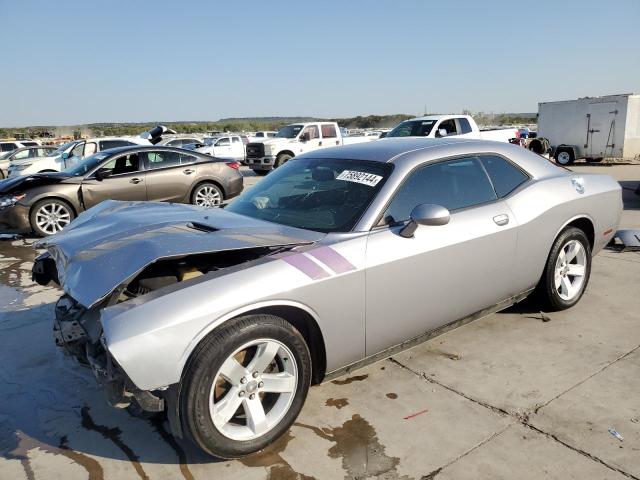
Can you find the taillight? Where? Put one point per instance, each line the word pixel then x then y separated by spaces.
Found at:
pixel 234 165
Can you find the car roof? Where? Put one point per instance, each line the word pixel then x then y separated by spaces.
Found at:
pixel 406 153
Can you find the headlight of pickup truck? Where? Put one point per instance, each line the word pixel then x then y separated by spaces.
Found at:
pixel 10 200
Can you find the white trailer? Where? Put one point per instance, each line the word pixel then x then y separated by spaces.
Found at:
pixel 593 128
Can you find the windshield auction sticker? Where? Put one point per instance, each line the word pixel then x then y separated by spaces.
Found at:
pixel 359 177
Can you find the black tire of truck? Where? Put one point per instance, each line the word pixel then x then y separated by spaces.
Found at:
pixel 282 159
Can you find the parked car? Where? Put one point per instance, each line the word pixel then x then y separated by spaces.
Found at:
pixel 47 203
pixel 71 156
pixel 223 318
pixel 263 135
pixel 293 140
pixel 73 152
pixel 463 126
pixel 10 145
pixel 230 147
pixel 178 142
pixel 21 153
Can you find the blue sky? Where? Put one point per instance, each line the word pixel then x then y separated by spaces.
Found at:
pixel 69 62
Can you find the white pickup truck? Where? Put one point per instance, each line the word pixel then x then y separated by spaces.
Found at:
pixel 296 139
pixel 436 126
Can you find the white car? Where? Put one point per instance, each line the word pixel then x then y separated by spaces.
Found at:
pixel 11 145
pixel 68 155
pixel 228 147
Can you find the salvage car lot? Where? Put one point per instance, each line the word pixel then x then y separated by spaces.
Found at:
pixel 510 395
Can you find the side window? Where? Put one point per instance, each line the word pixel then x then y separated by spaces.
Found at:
pixel 328 131
pixel 223 142
pixel 449 126
pixel 124 164
pixel 454 184
pixel 505 176
pixel 22 154
pixel 7 147
pixel 78 150
pixel 157 160
pixel 175 143
pixel 42 152
pixel 106 144
pixel 271 135
pixel 236 140
pixel 312 132
pixel 186 159
pixel 465 127
pixel 89 149
pixel 259 134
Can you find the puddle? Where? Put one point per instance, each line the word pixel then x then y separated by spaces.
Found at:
pixel 348 380
pixel 357 444
pixel 337 402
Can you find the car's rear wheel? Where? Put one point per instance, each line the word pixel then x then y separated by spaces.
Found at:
pixel 245 385
pixel 207 195
pixel 50 216
pixel 567 270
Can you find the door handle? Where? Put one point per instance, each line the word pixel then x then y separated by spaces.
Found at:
pixel 501 220
pixel 188 171
pixel 135 180
pixel 319 144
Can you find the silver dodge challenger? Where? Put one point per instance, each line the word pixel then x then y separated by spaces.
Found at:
pixel 223 318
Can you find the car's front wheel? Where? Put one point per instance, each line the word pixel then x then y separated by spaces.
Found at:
pixel 567 270
pixel 245 385
pixel 50 216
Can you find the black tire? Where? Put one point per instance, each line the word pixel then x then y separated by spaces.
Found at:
pixel 48 202
pixel 207 186
pixel 261 173
pixel 564 156
pixel 595 160
pixel 281 159
pixel 201 371
pixel 546 290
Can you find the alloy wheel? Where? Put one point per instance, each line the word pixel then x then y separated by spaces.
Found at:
pixel 253 389
pixel 569 274
pixel 52 217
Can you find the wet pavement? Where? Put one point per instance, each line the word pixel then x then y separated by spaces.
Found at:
pixel 508 396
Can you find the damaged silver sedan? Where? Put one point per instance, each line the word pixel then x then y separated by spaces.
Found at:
pixel 223 318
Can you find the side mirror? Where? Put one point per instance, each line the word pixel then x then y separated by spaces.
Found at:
pixel 101 174
pixel 441 132
pixel 425 214
pixel 304 137
pixel 65 155
pixel 383 134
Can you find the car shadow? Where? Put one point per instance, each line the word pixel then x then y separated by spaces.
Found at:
pixel 631 194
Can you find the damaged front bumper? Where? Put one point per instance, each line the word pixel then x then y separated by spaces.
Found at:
pixel 78 332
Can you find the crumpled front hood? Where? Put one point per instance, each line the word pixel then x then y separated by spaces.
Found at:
pixel 25 182
pixel 111 243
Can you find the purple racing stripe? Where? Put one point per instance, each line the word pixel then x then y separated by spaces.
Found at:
pixel 332 259
pixel 306 266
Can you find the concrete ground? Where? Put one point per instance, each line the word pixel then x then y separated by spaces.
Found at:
pixel 507 396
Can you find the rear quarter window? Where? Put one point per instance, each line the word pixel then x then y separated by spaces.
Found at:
pixel 505 176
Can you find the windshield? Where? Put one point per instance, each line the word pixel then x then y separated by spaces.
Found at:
pixel 290 131
pixel 325 195
pixel 413 128
pixel 5 155
pixel 60 149
pixel 86 164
